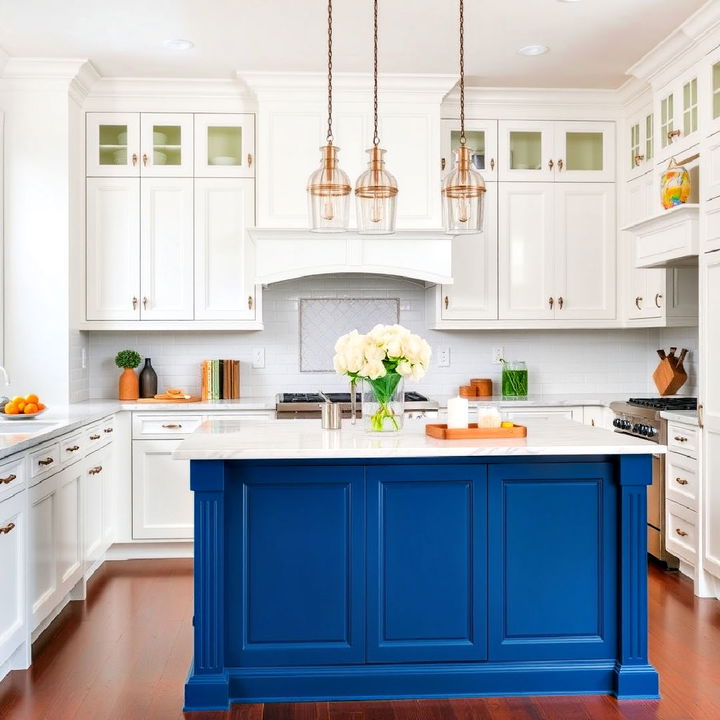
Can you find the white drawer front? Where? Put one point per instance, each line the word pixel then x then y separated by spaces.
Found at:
pixel 107 428
pixel 683 439
pixel 175 425
pixel 681 480
pixel 680 531
pixel 44 461
pixel 72 448
pixel 12 477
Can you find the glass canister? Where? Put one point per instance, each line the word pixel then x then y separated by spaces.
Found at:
pixel 514 379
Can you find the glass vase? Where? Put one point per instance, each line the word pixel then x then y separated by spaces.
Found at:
pixel 383 403
pixel 514 380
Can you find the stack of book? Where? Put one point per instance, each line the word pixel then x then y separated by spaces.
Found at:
pixel 220 380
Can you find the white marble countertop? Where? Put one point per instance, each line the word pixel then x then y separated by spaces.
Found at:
pixel 689 417
pixel 238 439
pixel 247 403
pixel 555 400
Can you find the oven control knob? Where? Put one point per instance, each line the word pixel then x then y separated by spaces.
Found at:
pixel 651 431
pixel 617 422
pixel 636 428
pixel 626 424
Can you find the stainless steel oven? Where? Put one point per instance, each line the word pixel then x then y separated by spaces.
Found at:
pixel 298 406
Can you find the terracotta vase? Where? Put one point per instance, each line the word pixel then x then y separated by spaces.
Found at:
pixel 129 385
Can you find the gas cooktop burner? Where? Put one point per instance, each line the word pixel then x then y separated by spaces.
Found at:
pixel 676 403
pixel 338 397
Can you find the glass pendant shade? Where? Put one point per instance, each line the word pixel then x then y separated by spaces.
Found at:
pixel 329 194
pixel 376 197
pixel 463 196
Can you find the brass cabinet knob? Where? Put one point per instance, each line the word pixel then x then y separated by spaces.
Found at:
pixel 561 164
pixel 145 159
pixel 145 303
pixel 492 163
pixel 638 303
pixel 250 302
pixel 561 302
pixel 551 164
pixel 637 160
pixel 134 303
pixel 658 298
pixel 681 481
pixel 7 480
pixel 8 528
pixel 442 163
pixel 680 532
pixel 250 159
pixel 551 302
pixel 134 159
pixel 673 134
pixel 447 302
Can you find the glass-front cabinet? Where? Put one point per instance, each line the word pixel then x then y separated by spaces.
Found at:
pixel 481 138
pixel 678 116
pixel 224 145
pixel 526 150
pixel 710 86
pixel 113 144
pixel 640 144
pixel 167 144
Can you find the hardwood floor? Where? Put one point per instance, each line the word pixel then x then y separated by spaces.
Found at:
pixel 124 654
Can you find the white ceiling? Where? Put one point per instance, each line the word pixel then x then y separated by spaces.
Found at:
pixel 592 42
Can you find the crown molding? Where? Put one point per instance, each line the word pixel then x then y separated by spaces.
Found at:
pixel 168 88
pixel 35 68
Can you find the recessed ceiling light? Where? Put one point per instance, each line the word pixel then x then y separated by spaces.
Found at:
pixel 533 50
pixel 178 44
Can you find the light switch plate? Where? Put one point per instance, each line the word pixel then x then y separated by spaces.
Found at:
pixel 443 356
pixel 258 358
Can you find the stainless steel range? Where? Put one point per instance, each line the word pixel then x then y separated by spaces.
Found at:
pixel 307 405
pixel 640 417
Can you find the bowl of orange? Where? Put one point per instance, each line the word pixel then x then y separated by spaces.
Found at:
pixel 22 408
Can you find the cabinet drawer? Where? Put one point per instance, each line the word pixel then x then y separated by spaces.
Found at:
pixel 175 425
pixel 680 538
pixel 107 428
pixel 683 439
pixel 12 477
pixel 44 461
pixel 681 480
pixel 98 435
pixel 72 448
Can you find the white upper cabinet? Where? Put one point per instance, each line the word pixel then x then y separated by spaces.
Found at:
pixel 224 285
pixel 225 145
pixel 166 249
pixel 710 84
pixel 481 136
pixel 526 150
pixel 113 249
pixel 112 144
pixel 166 142
pixel 678 116
pixel 639 145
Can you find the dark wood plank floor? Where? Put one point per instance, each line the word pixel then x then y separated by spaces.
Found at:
pixel 124 654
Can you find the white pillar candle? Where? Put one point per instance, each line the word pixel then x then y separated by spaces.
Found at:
pixel 457 413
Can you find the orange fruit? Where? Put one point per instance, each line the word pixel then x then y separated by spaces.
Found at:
pixel 18 398
pixel 30 408
pixel 32 398
pixel 20 404
pixel 11 409
pixel 41 406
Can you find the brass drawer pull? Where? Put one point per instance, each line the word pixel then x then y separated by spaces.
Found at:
pixel 442 163
pixel 551 302
pixel 681 438
pixel 681 481
pixel 145 159
pixel 551 164
pixel 94 437
pixel 561 302
pixel 134 303
pixel 658 298
pixel 250 302
pixel 8 528
pixel 250 159
pixel 7 480
pixel 172 426
pixel 492 163
pixel 680 532
pixel 561 164
pixel 72 448
pixel 95 470
pixel 673 134
pixel 637 160
pixel 447 302
pixel 638 300
pixel 108 430
pixel 134 159
pixel 46 461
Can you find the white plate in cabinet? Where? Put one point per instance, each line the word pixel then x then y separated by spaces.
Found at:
pixel 44 461
pixel 668 239
pixel 13 554
pixel 683 439
pixel 681 483
pixel 164 426
pixel 681 534
pixel 12 477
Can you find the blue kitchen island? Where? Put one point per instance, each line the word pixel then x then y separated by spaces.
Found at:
pixel 336 565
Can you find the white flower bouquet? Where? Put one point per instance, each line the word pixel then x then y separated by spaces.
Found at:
pixel 382 358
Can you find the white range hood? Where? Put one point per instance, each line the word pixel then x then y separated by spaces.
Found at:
pixel 285 254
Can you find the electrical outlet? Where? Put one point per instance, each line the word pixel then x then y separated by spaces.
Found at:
pixel 258 357
pixel 443 357
pixel 498 354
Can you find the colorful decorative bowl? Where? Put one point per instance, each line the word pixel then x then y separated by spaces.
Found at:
pixel 674 186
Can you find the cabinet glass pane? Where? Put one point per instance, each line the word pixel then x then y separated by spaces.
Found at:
pixel 649 133
pixel 167 142
pixel 666 120
pixel 112 145
pixel 224 145
pixel 584 150
pixel 634 144
pixel 525 150
pixel 475 140
pixel 716 90
pixel 690 107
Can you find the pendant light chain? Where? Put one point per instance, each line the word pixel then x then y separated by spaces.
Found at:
pixel 462 73
pixel 330 38
pixel 376 137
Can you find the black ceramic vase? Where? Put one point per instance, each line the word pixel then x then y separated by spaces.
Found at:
pixel 148 381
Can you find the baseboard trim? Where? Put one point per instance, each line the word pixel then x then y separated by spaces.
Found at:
pixel 150 551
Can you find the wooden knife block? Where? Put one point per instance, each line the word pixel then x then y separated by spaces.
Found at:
pixel 669 376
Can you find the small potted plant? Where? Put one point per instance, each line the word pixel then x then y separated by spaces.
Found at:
pixel 129 385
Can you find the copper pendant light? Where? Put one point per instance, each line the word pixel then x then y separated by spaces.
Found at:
pixel 376 189
pixel 329 187
pixel 463 188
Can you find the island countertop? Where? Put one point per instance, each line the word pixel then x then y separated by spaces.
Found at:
pixel 246 439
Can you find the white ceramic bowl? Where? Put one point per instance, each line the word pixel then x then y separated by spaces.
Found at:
pixel 22 416
pixel 159 138
pixel 122 138
pixel 223 160
pixel 159 158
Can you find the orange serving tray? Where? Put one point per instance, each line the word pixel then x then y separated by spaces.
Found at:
pixel 473 432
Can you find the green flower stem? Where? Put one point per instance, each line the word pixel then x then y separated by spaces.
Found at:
pixel 384 388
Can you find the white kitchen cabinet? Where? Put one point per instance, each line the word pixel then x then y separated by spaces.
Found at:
pixel 166 249
pixel 678 116
pixel 481 136
pixel 710 168
pixel 597 416
pixel 556 248
pixel 69 526
pixel 225 145
pixel 526 150
pixel 13 561
pixel 112 144
pixel 166 144
pixel 113 249
pixel 224 269
pixel 473 294
pixel 98 493
pixel 710 85
pixel 639 147
pixel 543 413
pixel 162 500
pixel 44 586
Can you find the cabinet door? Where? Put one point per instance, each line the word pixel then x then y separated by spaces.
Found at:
pixel 225 145
pixel 43 526
pixel 166 249
pixel 481 136
pixel 526 251
pixel 224 282
pixel 585 151
pixel 112 144
pixel 526 150
pixel 543 413
pixel 93 490
pixel 710 411
pixel 711 86
pixel 69 528
pixel 678 115
pixel 166 141
pixel 113 249
pixel 585 254
pixel 106 458
pixel 552 561
pixel 13 561
pixel 427 547
pixel 162 500
pixel 299 573
pixel 473 294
